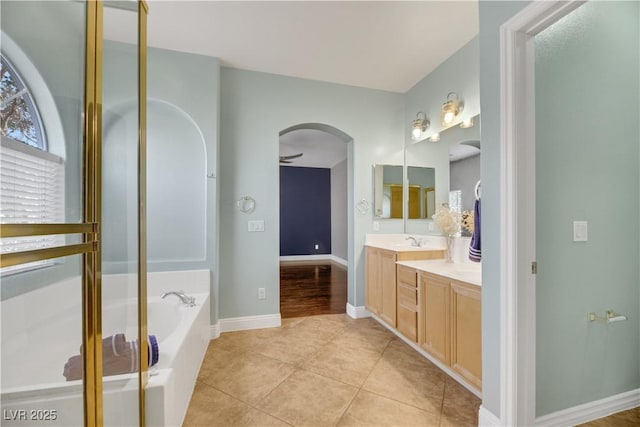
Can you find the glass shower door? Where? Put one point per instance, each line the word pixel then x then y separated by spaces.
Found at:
pixel 50 239
pixel 126 345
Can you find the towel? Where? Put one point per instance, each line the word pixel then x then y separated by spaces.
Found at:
pixel 475 248
pixel 118 357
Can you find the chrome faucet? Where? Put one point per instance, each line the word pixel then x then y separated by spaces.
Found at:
pixel 414 241
pixel 187 300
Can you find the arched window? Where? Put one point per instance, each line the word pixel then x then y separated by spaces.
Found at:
pixel 31 178
pixel 19 118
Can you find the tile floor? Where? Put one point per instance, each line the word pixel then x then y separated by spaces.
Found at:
pixel 630 418
pixel 324 371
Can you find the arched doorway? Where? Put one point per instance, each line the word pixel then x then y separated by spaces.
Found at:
pixel 316 221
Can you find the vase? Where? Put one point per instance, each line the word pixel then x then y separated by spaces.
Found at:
pixel 450 246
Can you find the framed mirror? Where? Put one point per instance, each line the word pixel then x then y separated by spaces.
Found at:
pixel 388 192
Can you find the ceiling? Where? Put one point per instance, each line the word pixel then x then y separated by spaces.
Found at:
pixel 321 149
pixel 387 45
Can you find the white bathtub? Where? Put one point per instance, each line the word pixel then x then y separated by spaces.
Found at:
pixel 37 342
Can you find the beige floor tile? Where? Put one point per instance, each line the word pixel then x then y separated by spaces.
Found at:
pixel 290 349
pixel 629 418
pixel 316 330
pixel 308 399
pixel 369 409
pixel 255 418
pixel 413 382
pixel 249 377
pixel 210 407
pixel 343 363
pixel 367 338
pixel 460 404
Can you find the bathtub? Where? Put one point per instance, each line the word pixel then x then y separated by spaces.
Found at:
pixel 33 388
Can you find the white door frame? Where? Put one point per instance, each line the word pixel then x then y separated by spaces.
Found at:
pixel 517 208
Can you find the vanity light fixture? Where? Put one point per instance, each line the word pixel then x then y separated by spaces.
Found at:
pixel 450 109
pixel 419 125
pixel 467 123
pixel 434 138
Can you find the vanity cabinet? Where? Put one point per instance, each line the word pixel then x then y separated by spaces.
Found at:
pixel 466 333
pixel 434 324
pixel 380 277
pixel 380 295
pixel 407 312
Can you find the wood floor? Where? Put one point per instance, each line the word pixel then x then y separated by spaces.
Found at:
pixel 308 289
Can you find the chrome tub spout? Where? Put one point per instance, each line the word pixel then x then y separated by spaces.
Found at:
pixel 187 300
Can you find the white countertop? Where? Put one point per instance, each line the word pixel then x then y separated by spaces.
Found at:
pixel 399 242
pixel 468 272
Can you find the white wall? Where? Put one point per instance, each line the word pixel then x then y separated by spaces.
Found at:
pixel 255 107
pixel 339 226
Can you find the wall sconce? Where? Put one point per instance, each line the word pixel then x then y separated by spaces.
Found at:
pixel 419 125
pixel 467 123
pixel 451 109
pixel 434 138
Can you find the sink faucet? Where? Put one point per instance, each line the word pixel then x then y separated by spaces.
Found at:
pixel 414 242
pixel 187 300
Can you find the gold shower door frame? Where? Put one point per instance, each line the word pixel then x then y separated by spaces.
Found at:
pixel 90 247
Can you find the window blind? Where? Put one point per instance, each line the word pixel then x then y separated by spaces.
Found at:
pixel 31 192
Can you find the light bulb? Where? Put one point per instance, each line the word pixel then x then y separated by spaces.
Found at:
pixel 435 137
pixel 467 123
pixel 448 117
pixel 416 133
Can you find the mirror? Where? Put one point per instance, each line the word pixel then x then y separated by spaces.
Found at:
pixel 422 192
pixel 388 199
pixel 454 162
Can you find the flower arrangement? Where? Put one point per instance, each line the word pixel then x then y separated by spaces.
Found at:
pixel 468 221
pixel 448 221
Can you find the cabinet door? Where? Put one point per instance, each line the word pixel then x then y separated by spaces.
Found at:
pixel 373 289
pixel 466 334
pixel 407 312
pixel 434 324
pixel 388 277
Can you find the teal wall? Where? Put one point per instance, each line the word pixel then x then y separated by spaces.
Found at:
pixel 255 107
pixel 587 151
pixel 182 148
pixel 492 15
pixel 460 74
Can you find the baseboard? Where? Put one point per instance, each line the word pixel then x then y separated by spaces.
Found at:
pixel 357 312
pixel 250 322
pixel 592 410
pixel 215 331
pixel 339 260
pixel 487 419
pixel 322 257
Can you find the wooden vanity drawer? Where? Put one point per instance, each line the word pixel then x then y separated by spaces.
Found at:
pixel 407 296
pixel 407 276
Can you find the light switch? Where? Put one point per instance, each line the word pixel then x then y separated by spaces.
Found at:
pixel 580 231
pixel 255 225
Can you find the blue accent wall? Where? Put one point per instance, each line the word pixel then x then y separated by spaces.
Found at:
pixel 305 211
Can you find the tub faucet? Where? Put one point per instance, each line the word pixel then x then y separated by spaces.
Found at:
pixel 187 300
pixel 414 241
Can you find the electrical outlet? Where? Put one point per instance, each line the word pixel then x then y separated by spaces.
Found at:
pixel 262 293
pixel 376 226
pixel 316 246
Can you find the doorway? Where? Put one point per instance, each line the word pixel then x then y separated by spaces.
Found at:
pixel 570 217
pixel 315 227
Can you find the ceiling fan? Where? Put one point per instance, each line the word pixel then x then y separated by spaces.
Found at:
pixel 285 159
